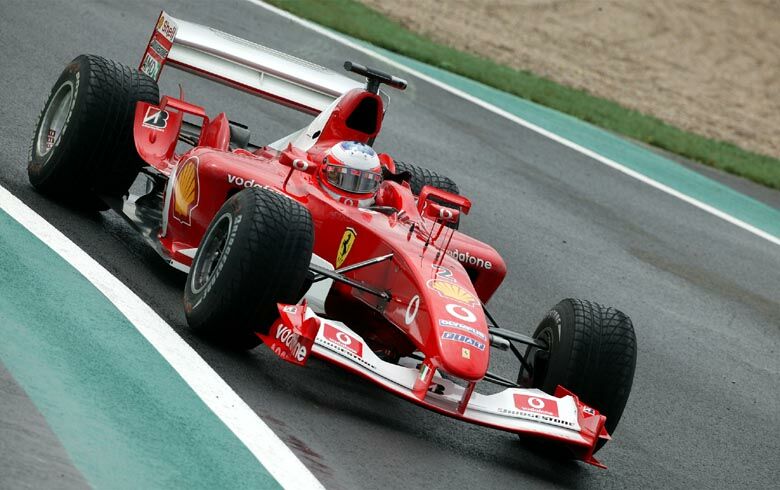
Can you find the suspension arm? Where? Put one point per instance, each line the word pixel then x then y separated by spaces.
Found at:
pixel 355 284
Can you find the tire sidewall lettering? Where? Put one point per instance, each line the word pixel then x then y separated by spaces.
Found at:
pixel 75 82
pixel 236 219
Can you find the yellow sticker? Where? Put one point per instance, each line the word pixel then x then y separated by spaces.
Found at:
pixel 452 291
pixel 186 190
pixel 466 353
pixel 350 235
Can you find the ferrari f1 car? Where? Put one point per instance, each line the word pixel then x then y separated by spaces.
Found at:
pixel 374 278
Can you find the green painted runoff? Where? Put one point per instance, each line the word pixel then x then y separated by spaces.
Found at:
pixel 122 413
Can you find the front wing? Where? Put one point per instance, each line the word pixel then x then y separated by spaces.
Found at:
pixel 532 412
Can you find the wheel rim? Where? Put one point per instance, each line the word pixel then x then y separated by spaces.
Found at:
pixel 54 119
pixel 209 258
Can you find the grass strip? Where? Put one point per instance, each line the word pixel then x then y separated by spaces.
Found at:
pixel 359 21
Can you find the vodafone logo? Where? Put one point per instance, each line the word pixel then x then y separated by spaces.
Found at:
pixel 343 339
pixel 300 165
pixel 461 313
pixel 411 310
pixel 292 341
pixel 467 258
pixel 535 404
pixel 446 214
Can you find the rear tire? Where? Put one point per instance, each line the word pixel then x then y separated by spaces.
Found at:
pixel 254 254
pixel 592 353
pixel 420 177
pixel 83 144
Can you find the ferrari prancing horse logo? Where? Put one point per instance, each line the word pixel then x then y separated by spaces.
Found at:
pixel 345 245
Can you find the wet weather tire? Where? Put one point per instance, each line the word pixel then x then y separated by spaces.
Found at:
pixel 254 254
pixel 83 143
pixel 421 177
pixel 592 354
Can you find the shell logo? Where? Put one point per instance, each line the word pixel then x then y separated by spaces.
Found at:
pixel 452 291
pixel 186 191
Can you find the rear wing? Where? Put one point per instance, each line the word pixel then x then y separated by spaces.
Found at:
pixel 242 64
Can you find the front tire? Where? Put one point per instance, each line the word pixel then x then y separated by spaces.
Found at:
pixel 592 353
pixel 83 144
pixel 254 254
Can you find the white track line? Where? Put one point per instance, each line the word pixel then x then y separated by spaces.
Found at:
pixel 269 450
pixel 490 107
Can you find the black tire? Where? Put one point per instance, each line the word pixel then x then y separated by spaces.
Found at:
pixel 592 353
pixel 254 254
pixel 421 177
pixel 91 152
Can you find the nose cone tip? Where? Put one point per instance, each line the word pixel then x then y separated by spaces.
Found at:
pixel 466 363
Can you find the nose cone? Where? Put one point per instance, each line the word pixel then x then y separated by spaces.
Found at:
pixel 462 337
pixel 456 333
pixel 463 354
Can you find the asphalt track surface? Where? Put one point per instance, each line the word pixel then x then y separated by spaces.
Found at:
pixel 703 294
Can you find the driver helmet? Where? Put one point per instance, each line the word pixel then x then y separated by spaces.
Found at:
pixel 351 167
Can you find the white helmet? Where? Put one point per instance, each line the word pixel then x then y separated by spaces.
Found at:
pixel 353 167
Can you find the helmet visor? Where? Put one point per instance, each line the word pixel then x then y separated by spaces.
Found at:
pixel 352 180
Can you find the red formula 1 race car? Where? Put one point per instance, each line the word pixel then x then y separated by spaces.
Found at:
pixel 315 244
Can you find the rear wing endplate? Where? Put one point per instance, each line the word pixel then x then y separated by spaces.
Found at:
pixel 242 64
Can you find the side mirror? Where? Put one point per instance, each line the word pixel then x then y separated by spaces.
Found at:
pixel 448 198
pixel 437 212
